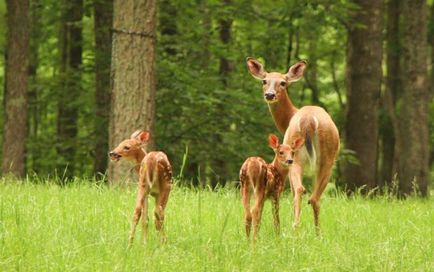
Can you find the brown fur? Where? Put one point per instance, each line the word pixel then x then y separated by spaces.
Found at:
pixel 288 120
pixel 155 178
pixel 267 182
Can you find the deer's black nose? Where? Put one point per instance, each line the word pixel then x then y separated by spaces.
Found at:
pixel 289 161
pixel 269 96
pixel 112 153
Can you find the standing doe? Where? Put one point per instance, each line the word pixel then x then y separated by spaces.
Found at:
pixel 309 130
pixel 155 178
pixel 267 181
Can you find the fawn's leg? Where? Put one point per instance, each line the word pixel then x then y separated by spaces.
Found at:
pixel 160 205
pixel 257 212
pixel 140 201
pixel 245 196
pixel 275 210
pixel 323 177
pixel 295 177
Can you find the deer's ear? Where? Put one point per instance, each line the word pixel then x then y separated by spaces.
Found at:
pixel 297 143
pixel 256 69
pixel 273 141
pixel 144 136
pixel 296 71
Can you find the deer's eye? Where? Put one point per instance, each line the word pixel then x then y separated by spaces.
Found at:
pixel 281 153
pixel 264 82
pixel 283 83
pixel 126 148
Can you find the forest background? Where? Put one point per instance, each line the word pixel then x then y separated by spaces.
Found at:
pixel 80 76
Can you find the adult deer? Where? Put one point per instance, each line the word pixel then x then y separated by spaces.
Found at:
pixel 155 178
pixel 265 181
pixel 310 132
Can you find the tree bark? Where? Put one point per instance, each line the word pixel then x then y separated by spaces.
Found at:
pixel 15 97
pixel 363 92
pixel 71 49
pixel 413 135
pixel 225 68
pixel 389 160
pixel 133 74
pixel 33 156
pixel 103 10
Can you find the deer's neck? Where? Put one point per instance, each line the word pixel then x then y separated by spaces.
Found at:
pixel 282 112
pixel 283 171
pixel 139 158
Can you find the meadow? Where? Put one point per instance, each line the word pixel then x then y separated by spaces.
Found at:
pixel 84 227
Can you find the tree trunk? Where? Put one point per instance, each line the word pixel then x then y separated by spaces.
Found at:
pixel 363 92
pixel 15 97
pixel 103 41
pixel 71 49
pixel 133 74
pixel 413 132
pixel 431 41
pixel 225 68
pixel 389 162
pixel 33 156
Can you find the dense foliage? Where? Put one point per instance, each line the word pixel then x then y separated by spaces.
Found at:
pixel 210 113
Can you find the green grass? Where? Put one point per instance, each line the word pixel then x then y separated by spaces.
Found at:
pixel 84 227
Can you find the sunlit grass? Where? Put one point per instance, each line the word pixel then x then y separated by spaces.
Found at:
pixel 84 227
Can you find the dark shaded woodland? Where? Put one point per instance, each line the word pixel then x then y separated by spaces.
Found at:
pixel 80 76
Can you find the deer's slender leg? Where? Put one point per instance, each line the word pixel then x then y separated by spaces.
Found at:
pixel 295 177
pixel 160 205
pixel 140 209
pixel 275 210
pixel 323 177
pixel 245 195
pixel 257 211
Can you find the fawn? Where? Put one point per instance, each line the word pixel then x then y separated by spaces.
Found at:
pixel 267 181
pixel 309 130
pixel 155 178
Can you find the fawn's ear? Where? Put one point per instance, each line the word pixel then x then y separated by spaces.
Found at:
pixel 273 141
pixel 296 71
pixel 297 143
pixel 256 69
pixel 144 136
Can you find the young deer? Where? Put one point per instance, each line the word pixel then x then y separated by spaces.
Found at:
pixel 309 130
pixel 267 181
pixel 155 178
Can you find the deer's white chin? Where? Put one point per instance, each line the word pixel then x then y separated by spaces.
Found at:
pixel 270 101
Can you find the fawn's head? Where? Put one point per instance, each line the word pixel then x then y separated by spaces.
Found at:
pixel 283 153
pixel 130 148
pixel 275 84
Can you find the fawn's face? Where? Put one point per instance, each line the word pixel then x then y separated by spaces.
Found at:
pixel 130 148
pixel 283 153
pixel 127 149
pixel 275 84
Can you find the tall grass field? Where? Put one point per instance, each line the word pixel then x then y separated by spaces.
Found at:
pixel 84 227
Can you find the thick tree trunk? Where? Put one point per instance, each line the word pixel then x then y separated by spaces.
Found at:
pixel 133 74
pixel 15 98
pixel 413 132
pixel 103 41
pixel 363 92
pixel 389 161
pixel 71 49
